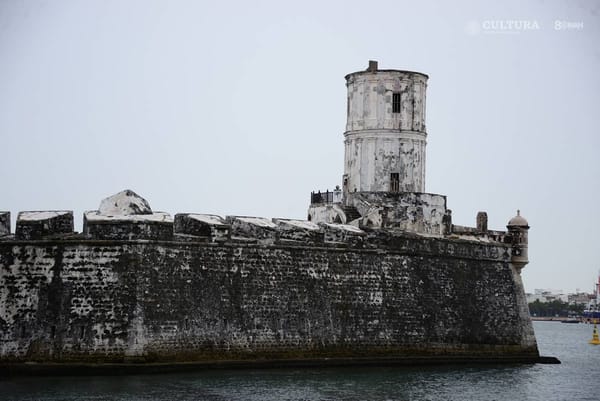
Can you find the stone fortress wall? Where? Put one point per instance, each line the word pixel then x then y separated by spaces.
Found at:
pixel 377 272
pixel 137 285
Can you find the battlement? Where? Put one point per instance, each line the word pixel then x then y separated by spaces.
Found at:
pixel 185 227
pixel 156 226
pixel 503 237
pixel 128 217
pixel 206 288
pixel 34 225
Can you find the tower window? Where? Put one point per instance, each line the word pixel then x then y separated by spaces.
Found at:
pixel 395 182
pixel 396 102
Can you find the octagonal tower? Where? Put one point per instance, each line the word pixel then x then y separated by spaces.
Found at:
pixel 385 134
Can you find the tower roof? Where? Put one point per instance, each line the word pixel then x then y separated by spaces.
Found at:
pixel 373 68
pixel 518 221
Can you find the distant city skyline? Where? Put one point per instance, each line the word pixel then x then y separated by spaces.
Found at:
pixel 238 108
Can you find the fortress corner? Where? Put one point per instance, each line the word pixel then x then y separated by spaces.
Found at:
pixel 379 273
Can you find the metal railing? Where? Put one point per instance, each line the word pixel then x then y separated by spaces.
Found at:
pixel 326 197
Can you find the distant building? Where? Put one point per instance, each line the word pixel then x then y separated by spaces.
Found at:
pixel 547 295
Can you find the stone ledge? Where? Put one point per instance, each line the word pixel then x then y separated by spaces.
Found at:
pixel 113 369
pixel 401 245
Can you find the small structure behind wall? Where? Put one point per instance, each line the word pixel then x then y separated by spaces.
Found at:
pixel 4 223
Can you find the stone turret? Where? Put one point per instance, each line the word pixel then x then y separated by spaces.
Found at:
pixel 384 160
pixel 518 229
pixel 385 131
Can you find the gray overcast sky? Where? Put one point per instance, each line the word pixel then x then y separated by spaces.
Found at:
pixel 239 108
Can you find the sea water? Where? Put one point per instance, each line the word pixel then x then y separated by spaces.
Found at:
pixel 575 379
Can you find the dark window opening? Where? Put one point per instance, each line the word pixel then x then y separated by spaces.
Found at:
pixel 348 107
pixel 82 332
pixel 52 331
pixel 395 182
pixel 396 101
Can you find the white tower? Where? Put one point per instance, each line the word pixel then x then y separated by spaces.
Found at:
pixel 385 134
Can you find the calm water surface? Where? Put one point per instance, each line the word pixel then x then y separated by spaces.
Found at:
pixel 575 379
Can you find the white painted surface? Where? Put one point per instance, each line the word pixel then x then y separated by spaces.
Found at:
pixel 257 221
pixel 379 142
pixel 125 202
pixel 95 215
pixel 326 213
pixel 211 219
pixel 36 216
pixel 303 224
pixel 344 227
pixel 337 195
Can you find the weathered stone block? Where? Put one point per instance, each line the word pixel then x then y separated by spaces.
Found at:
pixel 202 225
pixel 258 228
pixel 327 213
pixel 408 211
pixel 41 224
pixel 343 233
pixel 4 223
pixel 299 230
pixel 155 226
